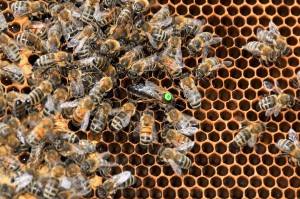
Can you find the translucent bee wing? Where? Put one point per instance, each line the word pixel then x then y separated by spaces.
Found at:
pixel 49 103
pixel 293 137
pixel 115 111
pixel 188 131
pixel 157 19
pixel 268 85
pixel 252 141
pixel 85 121
pixel 215 67
pixel 151 40
pixel 283 148
pixel 277 88
pixel 22 181
pixel 80 44
pixel 20 136
pixel 205 52
pixel 121 178
pixel 275 110
pixel 71 104
pixel 36 25
pixel 258 31
pixel 86 61
pixel 65 183
pixel 97 13
pixel 77 88
pixel 136 131
pixel 21 11
pixel 215 40
pixel 150 84
pixel 104 155
pixel 273 28
pixel 183 148
pixel 175 167
pixel 13 68
pixel 227 63
pixel 3 23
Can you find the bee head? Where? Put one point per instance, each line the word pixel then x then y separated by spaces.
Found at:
pixel 292 101
pixel 101 192
pixel 273 56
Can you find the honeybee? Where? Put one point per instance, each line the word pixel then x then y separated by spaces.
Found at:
pixel 79 40
pixel 53 102
pixel 54 34
pixel 265 53
pixel 51 156
pixel 273 39
pixel 36 8
pixel 130 57
pixel 38 28
pixel 290 147
pixel 91 11
pixel 83 187
pixel 100 88
pixel 162 18
pixel 67 149
pixel 122 116
pixel 125 17
pixel 10 48
pixel 140 6
pixel 110 48
pixel 171 58
pixel 182 122
pixel 202 40
pixel 178 139
pixel 190 91
pixel 57 178
pixel 56 7
pixel 36 155
pixel 189 25
pixel 100 118
pixel 35 188
pixel 60 59
pixel 208 66
pixel 76 84
pixel 176 159
pixel 9 162
pixel 116 182
pixel 98 162
pixel 70 26
pixel 40 132
pixel 151 90
pixel 38 94
pixel 84 52
pixel 8 137
pixel 249 133
pixel 3 23
pixel 68 136
pixel 146 129
pixel 273 104
pixel 135 38
pixel 296 82
pixel 137 68
pixel 15 73
pixel 31 41
pixel 155 35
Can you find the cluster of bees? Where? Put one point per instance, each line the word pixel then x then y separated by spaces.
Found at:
pixel 93 44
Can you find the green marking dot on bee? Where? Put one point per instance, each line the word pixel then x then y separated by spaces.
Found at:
pixel 168 96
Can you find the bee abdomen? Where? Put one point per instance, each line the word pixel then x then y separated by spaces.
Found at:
pixel 267 102
pixel 34 97
pixel 35 189
pixel 118 123
pixel 78 117
pixel 286 144
pixel 183 161
pixel 145 136
pixel 129 182
pixel 253 46
pixel 51 188
pixel 241 138
pixel 14 53
pixel 206 36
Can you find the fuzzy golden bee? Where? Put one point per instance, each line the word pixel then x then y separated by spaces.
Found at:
pixel 190 91
pixel 176 159
pixel 115 183
pixel 60 59
pixel 137 68
pixel 290 147
pixel 273 39
pixel 273 104
pixel 100 119
pixel 10 48
pixel 202 40
pixel 189 25
pixel 36 8
pixel 249 133
pixel 31 41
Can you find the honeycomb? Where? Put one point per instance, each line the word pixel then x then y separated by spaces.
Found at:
pixel 218 169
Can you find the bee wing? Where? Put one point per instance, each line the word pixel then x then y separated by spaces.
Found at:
pixel 85 121
pixel 3 23
pixel 175 167
pixel 184 147
pixel 273 28
pixel 77 88
pixel 22 181
pixel 70 104
pixel 215 40
pixel 270 87
pixel 50 102
pixel 283 148
pixel 252 141
pixel 80 44
pixel 151 40
pixel 121 178
pixel 275 110
pixel 293 137
pixel 104 155
pixel 13 68
pixel 158 21
pixel 74 41
pixel 136 131
pixel 258 31
pixel 115 111
pixel 205 52
pixel 227 63
pixel 97 13
pixel 215 67
pixel 85 61
pixel 188 131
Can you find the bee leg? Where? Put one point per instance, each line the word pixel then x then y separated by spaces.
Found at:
pixel 30 17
